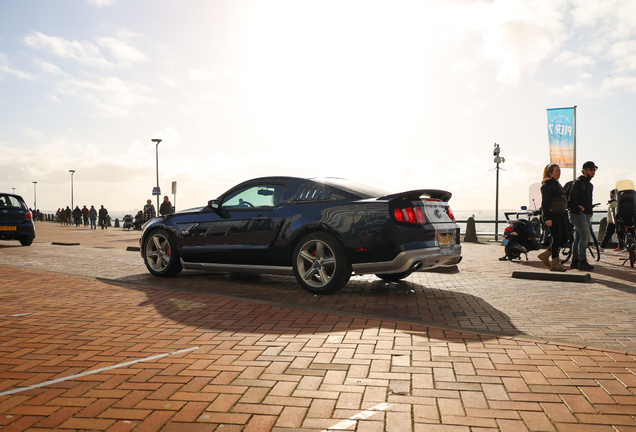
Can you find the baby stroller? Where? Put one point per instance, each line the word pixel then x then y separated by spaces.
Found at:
pixel 625 217
pixel 127 222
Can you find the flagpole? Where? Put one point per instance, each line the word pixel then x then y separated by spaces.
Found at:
pixel 574 154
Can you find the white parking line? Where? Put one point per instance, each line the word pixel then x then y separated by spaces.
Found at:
pixel 120 365
pixel 360 416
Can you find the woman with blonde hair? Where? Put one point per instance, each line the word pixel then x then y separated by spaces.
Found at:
pixel 554 204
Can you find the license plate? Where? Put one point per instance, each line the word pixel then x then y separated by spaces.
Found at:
pixel 444 239
pixel 8 228
pixel 504 242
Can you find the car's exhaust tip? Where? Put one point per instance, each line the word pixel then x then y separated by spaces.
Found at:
pixel 416 266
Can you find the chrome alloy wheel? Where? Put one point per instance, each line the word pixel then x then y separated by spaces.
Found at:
pixel 316 263
pixel 158 252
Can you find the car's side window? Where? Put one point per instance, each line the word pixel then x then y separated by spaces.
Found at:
pixel 254 196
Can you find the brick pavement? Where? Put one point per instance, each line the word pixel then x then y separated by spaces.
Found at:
pixel 481 297
pixel 283 367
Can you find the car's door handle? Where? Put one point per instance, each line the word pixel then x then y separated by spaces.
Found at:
pixel 259 217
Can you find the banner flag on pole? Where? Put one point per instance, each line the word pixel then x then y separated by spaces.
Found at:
pixel 561 136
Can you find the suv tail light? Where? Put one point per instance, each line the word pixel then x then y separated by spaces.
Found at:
pixel 413 215
pixel 28 215
pixel 450 214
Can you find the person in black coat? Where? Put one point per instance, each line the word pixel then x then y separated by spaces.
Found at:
pixel 554 204
pixel 580 204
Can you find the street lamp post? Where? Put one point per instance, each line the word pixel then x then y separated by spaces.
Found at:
pixel 35 199
pixel 498 160
pixel 156 140
pixel 72 172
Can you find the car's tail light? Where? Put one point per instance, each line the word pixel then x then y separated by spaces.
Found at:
pixel 450 214
pixel 28 215
pixel 412 215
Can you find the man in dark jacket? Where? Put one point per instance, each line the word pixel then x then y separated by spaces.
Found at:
pixel 77 216
pixel 102 217
pixel 580 204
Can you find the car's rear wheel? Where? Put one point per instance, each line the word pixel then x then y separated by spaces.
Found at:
pixel 394 277
pixel 160 254
pixel 320 264
pixel 26 242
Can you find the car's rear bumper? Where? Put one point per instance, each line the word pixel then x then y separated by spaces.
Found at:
pixel 22 232
pixel 415 260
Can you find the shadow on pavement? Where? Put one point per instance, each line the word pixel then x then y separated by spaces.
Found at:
pixel 367 300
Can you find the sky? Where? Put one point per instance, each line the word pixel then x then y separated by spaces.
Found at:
pixel 399 95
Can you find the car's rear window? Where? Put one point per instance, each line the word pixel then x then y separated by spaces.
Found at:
pixel 359 189
pixel 11 202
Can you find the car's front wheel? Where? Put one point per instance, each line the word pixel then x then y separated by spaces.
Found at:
pixel 160 254
pixel 320 264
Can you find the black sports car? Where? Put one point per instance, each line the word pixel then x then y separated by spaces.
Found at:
pixel 319 230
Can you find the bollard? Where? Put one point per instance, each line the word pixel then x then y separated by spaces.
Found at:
pixel 116 222
pixel 471 231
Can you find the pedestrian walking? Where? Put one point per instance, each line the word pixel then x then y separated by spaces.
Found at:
pixel 69 214
pixel 149 211
pixel 554 205
pixel 85 215
pixel 580 205
pixel 102 217
pixel 92 214
pixel 166 207
pixel 77 216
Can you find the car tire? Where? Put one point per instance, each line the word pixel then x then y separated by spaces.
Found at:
pixel 320 264
pixel 26 242
pixel 394 277
pixel 160 254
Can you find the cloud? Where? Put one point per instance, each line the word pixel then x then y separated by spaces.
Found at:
pixel 624 55
pixel 121 50
pixel 84 52
pixel 49 68
pixel 5 69
pixel 101 3
pixel 112 96
pixel 201 75
pixel 572 59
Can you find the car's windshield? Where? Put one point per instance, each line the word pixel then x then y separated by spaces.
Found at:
pixel 359 189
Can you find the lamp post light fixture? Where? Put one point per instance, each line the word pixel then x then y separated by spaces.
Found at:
pixel 498 160
pixel 13 190
pixel 35 199
pixel 156 140
pixel 72 172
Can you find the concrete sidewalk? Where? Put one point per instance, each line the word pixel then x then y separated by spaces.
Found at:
pixel 284 360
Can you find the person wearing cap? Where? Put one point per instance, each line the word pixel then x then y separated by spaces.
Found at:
pixel 580 205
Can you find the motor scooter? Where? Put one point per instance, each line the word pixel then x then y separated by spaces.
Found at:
pixel 520 237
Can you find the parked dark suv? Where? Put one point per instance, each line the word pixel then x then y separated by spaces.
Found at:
pixel 16 220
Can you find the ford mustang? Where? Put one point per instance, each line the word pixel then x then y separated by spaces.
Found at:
pixel 321 230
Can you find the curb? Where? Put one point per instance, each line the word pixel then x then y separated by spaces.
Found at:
pixel 552 276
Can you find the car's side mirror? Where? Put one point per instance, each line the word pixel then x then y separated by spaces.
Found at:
pixel 214 204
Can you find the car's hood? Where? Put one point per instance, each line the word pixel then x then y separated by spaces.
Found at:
pixel 416 194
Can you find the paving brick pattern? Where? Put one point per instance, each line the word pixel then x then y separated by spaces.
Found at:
pixel 262 367
pixel 481 297
pixel 307 363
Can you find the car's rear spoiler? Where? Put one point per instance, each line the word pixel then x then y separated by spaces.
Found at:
pixel 416 194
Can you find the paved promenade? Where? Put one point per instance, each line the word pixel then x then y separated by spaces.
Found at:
pixel 90 341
